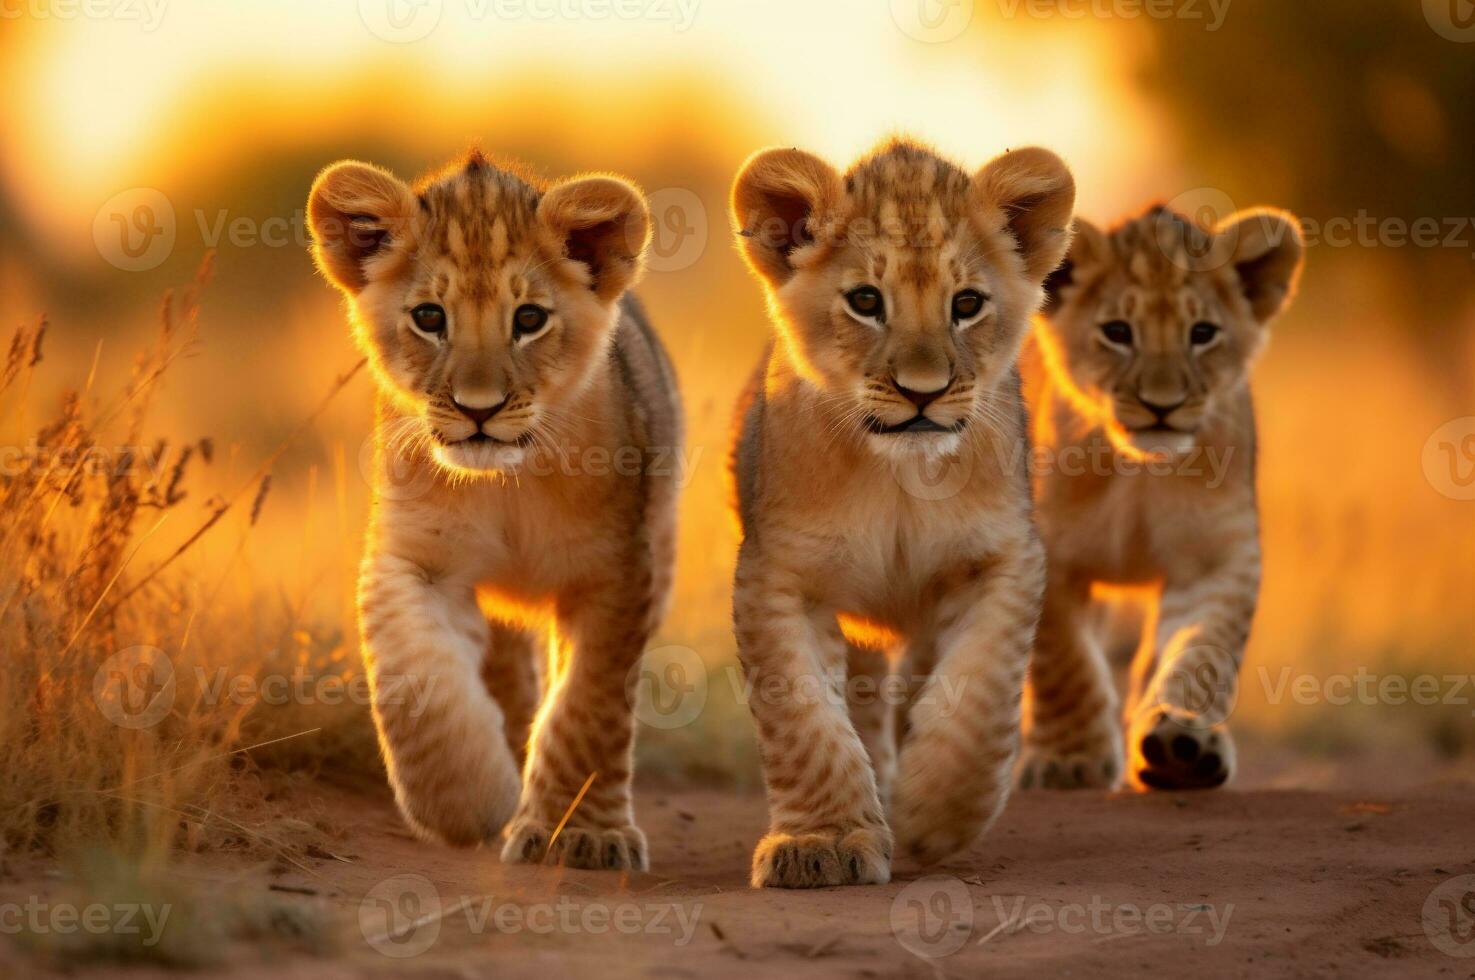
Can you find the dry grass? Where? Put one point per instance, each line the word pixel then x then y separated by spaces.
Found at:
pixel 131 706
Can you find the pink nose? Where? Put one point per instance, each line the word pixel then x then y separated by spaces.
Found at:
pixel 921 399
pixel 479 415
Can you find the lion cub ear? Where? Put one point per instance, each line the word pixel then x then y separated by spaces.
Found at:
pixel 356 211
pixel 1266 248
pixel 601 223
pixel 1030 194
pixel 1089 252
pixel 779 200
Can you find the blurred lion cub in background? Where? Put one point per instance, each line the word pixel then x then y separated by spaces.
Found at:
pixel 1140 373
pixel 900 293
pixel 490 309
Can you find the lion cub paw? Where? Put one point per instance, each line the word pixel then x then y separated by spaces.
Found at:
pixel 615 849
pixel 1176 751
pixel 1099 767
pixel 860 857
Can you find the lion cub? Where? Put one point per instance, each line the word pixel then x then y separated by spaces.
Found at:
pixel 1140 391
pixel 509 373
pixel 900 292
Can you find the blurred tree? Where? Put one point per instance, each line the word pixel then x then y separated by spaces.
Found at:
pixel 1333 109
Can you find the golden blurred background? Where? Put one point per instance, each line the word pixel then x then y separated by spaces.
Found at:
pixel 138 137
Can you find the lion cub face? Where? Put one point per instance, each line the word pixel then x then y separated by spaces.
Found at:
pixel 902 289
pixel 1160 318
pixel 485 302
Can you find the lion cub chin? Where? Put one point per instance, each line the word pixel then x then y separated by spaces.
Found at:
pixel 890 576
pixel 491 311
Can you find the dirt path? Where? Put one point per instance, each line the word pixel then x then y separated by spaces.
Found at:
pixel 1259 883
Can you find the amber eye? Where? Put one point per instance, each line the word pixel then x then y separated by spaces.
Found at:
pixel 866 301
pixel 1202 333
pixel 967 304
pixel 429 317
pixel 1118 332
pixel 528 319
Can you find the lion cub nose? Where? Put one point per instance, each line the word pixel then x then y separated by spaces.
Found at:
pixel 921 390
pixel 479 410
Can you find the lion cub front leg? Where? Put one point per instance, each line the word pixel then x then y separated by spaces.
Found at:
pixel 826 825
pixel 443 736
pixel 963 727
pixel 586 729
pixel 1178 729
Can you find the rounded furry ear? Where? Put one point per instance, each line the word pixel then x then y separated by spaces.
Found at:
pixel 1031 194
pixel 355 211
pixel 602 223
pixel 1089 250
pixel 778 201
pixel 1266 248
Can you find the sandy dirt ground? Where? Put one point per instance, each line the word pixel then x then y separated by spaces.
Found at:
pixel 1242 883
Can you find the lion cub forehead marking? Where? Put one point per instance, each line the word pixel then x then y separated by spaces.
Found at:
pixel 478 216
pixel 914 204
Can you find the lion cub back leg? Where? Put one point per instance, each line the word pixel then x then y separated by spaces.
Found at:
pixel 512 672
pixel 870 695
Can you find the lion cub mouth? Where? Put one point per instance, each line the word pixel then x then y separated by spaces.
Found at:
pixel 917 424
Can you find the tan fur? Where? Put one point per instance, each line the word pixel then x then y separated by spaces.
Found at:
pixel 1186 528
pixel 839 524
pixel 571 560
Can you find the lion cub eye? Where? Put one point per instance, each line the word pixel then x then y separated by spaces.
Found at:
pixel 967 304
pixel 1202 333
pixel 1117 332
pixel 429 317
pixel 866 301
pixel 528 319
